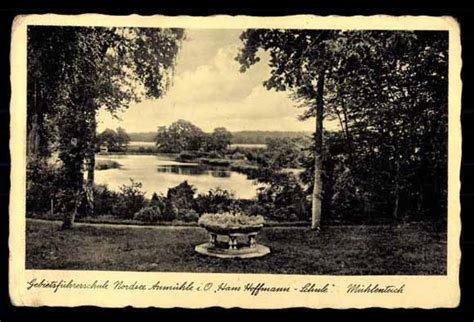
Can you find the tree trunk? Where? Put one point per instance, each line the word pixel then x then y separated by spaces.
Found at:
pixel 318 157
pixel 397 192
pixel 89 189
pixel 419 203
pixel 68 220
pixel 348 133
pixel 76 134
pixel 90 160
pixel 34 124
pixel 72 201
pixel 33 138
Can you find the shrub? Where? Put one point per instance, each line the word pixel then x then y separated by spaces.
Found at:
pixel 131 200
pixel 106 164
pixel 237 156
pixel 188 215
pixel 349 199
pixel 214 155
pixel 148 214
pixel 256 210
pixel 216 162
pixel 283 197
pixel 187 156
pixel 158 201
pixel 243 205
pixel 170 211
pixel 105 200
pixel 216 200
pixel 182 196
pixel 293 217
pixel 42 185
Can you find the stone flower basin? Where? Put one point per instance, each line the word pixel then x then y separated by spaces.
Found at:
pixel 230 228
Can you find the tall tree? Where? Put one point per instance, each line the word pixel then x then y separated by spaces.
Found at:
pixel 368 80
pixel 179 136
pixel 109 138
pixel 395 101
pixel 122 138
pixel 299 61
pixel 74 71
pixel 219 140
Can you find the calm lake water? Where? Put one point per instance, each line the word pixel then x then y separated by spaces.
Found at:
pixel 158 173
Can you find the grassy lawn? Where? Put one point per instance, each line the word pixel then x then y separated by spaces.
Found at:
pixel 336 250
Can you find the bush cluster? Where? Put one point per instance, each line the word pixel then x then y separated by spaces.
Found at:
pixel 148 214
pixel 43 184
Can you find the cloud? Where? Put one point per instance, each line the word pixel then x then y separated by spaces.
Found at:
pixel 217 80
pixel 213 92
pixel 201 45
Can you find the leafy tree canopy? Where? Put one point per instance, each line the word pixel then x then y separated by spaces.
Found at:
pixel 387 89
pixel 76 70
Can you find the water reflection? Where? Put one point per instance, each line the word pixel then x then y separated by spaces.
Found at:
pixel 194 170
pixel 158 173
pixel 220 173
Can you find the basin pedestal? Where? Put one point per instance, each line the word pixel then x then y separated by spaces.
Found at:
pixel 233 243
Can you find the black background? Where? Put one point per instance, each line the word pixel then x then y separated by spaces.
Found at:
pixel 459 10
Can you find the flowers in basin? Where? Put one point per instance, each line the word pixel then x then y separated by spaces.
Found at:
pixel 229 220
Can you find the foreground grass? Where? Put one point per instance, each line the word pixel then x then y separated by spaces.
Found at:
pixel 336 250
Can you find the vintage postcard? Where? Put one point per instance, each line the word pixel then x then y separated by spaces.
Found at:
pixel 253 162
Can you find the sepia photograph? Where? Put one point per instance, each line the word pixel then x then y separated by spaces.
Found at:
pixel 236 150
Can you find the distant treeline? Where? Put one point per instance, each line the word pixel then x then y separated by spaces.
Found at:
pixel 239 137
pixel 261 137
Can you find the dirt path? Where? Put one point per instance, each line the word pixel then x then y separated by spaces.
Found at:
pixel 157 227
pixel 107 225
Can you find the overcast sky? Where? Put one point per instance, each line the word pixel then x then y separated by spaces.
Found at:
pixel 209 91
